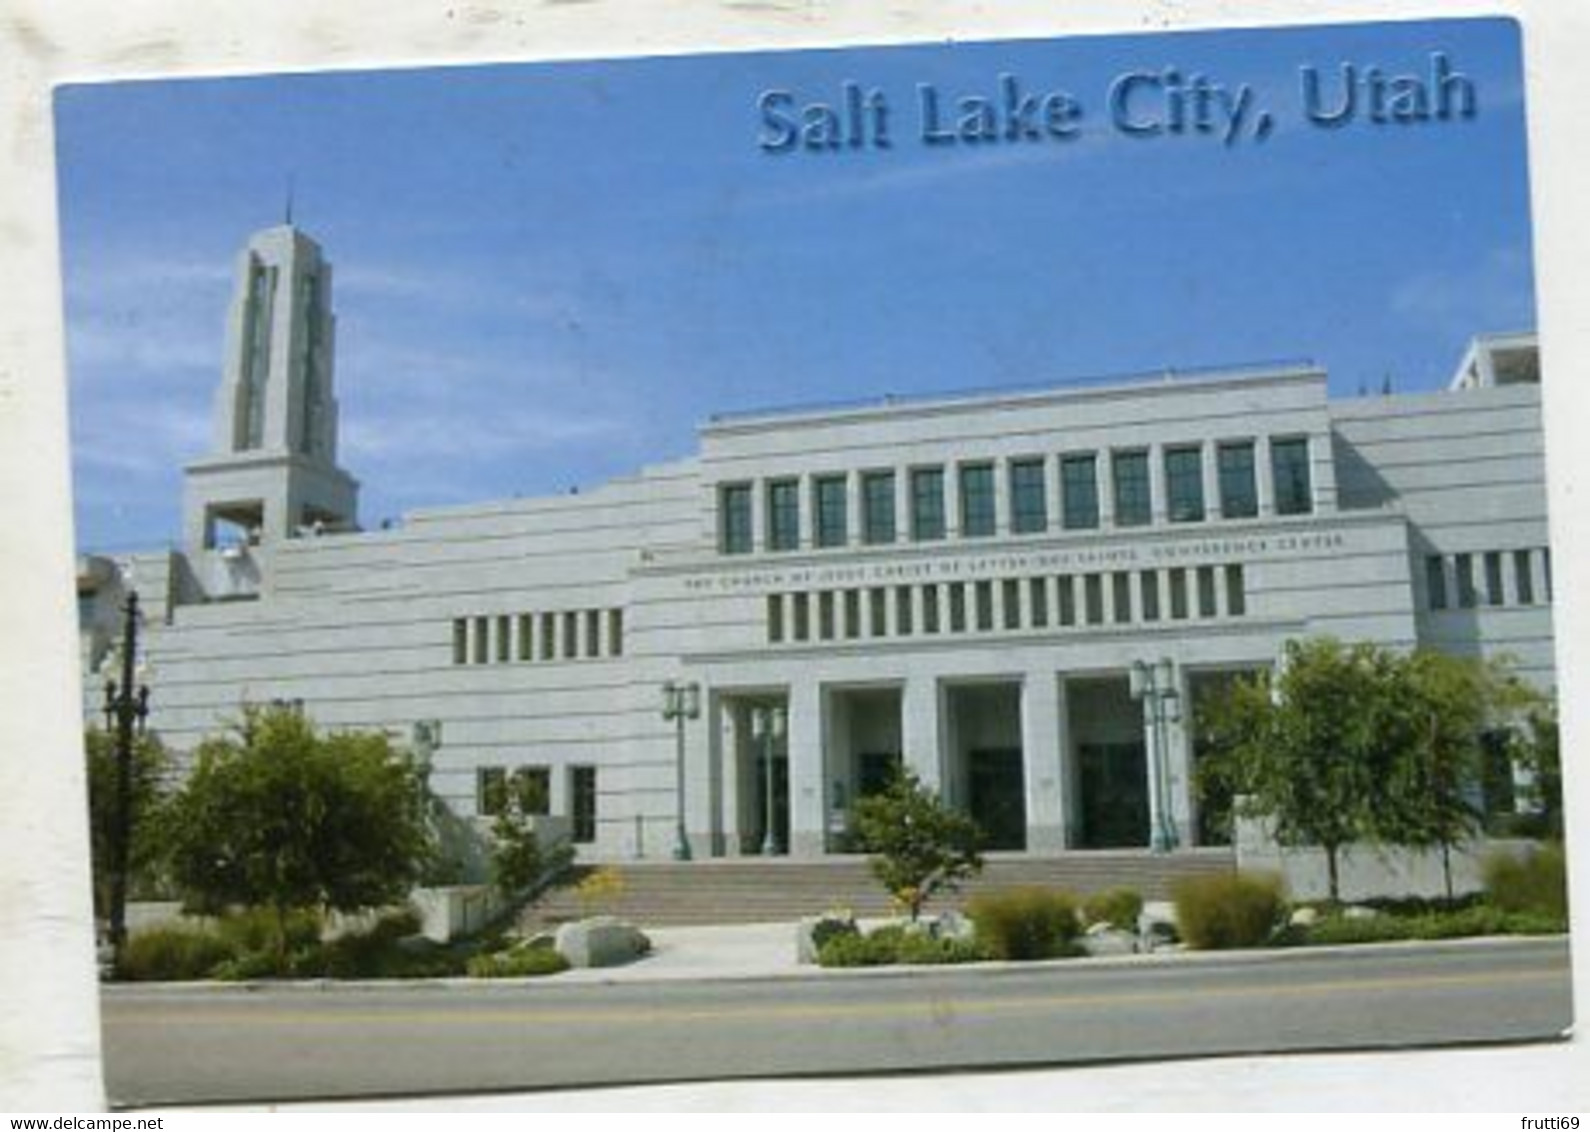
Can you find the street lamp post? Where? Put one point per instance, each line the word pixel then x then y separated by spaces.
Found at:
pixel 125 709
pixel 680 702
pixel 1155 686
pixel 767 725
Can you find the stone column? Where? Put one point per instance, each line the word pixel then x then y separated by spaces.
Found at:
pixel 807 802
pixel 1158 494
pixel 1210 462
pixel 1180 766
pixel 1264 477
pixel 920 732
pixel 1040 755
pixel 724 733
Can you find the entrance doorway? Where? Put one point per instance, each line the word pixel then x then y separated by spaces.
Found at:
pixel 985 776
pixel 1110 760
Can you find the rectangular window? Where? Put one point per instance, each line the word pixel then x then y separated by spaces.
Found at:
pixel 1239 488
pixel 491 790
pixel 1545 568
pixel 1148 594
pixel 1463 568
pixel 877 507
pixel 927 504
pixel 582 804
pixel 957 607
pixel 571 634
pixel 1493 579
pixel 828 508
pixel 825 615
pixel 734 518
pixel 1236 592
pixel 801 616
pixel 1524 577
pixel 984 595
pixel 1012 600
pixel 1178 593
pixel 902 611
pixel 548 629
pixel 930 608
pixel 1038 602
pixel 775 618
pixel 1184 484
pixel 1206 592
pixel 1133 504
pixel 593 633
pixel 526 624
pixel 1066 597
pixel 1435 581
pixel 532 788
pixel 482 640
pixel 1121 597
pixel 977 500
pixel 615 632
pixel 460 640
pixel 1029 498
pixel 1093 596
pixel 1294 493
pixel 1079 493
pixel 852 614
pixel 783 515
pixel 504 639
pixel 877 601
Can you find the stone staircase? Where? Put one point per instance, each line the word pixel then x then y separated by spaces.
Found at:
pixel 748 890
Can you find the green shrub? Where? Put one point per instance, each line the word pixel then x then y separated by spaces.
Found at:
pixel 1118 907
pixel 1372 929
pixel 172 953
pixel 831 927
pixel 1026 923
pixel 1536 883
pixel 253 930
pixel 1228 909
pixel 519 963
pixel 895 943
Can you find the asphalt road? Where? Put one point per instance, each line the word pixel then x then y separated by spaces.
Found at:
pixel 173 1046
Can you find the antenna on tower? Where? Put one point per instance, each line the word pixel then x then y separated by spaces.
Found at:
pixel 288 215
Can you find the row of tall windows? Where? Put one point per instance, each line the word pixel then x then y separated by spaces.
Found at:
pixel 1122 597
pixel 570 634
pixel 531 788
pixel 1487 578
pixel 1131 496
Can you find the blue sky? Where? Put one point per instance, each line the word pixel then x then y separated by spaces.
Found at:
pixel 548 275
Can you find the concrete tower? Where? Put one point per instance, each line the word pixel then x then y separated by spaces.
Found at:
pixel 273 471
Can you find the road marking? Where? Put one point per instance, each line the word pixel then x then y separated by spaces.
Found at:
pixel 762 1012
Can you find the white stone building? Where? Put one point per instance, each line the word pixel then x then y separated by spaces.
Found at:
pixel 961 582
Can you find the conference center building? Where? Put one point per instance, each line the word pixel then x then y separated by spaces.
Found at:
pixel 1020 595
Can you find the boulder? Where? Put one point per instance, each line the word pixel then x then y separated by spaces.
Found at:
pixel 1104 939
pixel 1304 917
pixel 1156 925
pixel 602 941
pixel 1358 912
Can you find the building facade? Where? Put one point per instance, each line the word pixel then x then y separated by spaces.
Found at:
pixel 1020 595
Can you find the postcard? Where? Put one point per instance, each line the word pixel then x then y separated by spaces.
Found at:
pixel 988 554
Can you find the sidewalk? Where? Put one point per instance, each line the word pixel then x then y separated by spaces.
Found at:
pixel 738 951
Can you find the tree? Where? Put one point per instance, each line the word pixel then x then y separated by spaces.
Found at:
pixel 279 816
pixel 919 846
pixel 1535 749
pixel 1443 708
pixel 1308 746
pixel 150 765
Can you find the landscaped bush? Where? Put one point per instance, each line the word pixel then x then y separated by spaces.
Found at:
pixel 249 931
pixel 1026 923
pixel 519 963
pixel 1118 907
pixel 1474 920
pixel 1536 883
pixel 831 927
pixel 893 944
pixel 172 953
pixel 1228 909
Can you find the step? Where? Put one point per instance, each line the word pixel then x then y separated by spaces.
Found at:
pixel 758 890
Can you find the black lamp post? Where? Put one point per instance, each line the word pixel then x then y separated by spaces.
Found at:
pixel 125 708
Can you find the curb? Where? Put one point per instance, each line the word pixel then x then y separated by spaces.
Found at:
pixel 804 973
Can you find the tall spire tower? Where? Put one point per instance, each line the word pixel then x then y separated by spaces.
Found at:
pixel 273 470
